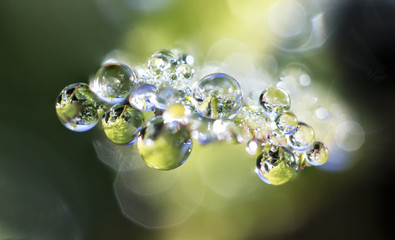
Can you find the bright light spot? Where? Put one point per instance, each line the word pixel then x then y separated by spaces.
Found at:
pixel 287 18
pixel 350 136
pixel 305 80
pixel 321 113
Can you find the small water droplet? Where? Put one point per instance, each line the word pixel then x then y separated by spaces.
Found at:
pixel 218 96
pixel 302 138
pixel 286 122
pixel 77 107
pixel 144 98
pixel 274 100
pixel 166 96
pixel 318 154
pixel 122 123
pixel 161 61
pixel 113 82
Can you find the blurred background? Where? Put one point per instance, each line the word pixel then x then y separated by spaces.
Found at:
pixel 57 184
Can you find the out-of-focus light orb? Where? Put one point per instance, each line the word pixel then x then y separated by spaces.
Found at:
pixel 304 80
pixel 350 136
pixel 287 18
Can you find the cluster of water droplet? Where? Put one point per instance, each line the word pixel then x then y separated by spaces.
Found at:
pixel 161 107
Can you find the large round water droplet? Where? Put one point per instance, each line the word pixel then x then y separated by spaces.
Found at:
pixel 318 154
pixel 286 122
pixel 164 146
pixel 113 82
pixel 77 107
pixel 302 138
pixel 122 123
pixel 276 165
pixel 218 96
pixel 144 98
pixel 161 61
pixel 274 100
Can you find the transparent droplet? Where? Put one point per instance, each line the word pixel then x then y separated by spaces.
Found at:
pixel 185 72
pixel 201 130
pixel 274 100
pixel 113 82
pixel 164 146
pixel 286 122
pixel 218 96
pixel 166 96
pixel 122 123
pixel 144 98
pixel 276 165
pixel 77 107
pixel 318 154
pixel 161 61
pixel 302 138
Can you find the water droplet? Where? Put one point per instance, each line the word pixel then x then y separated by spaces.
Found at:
pixel 164 146
pixel 144 98
pixel 113 82
pixel 286 122
pixel 274 100
pixel 202 130
pixel 161 61
pixel 77 107
pixel 318 154
pixel 167 96
pixel 122 123
pixel 276 165
pixel 302 138
pixel 185 72
pixel 218 96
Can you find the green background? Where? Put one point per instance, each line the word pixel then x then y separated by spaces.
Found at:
pixel 52 185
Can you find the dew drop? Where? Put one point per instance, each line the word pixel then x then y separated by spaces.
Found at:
pixel 113 82
pixel 276 165
pixel 76 107
pixel 286 122
pixel 161 61
pixel 302 138
pixel 274 100
pixel 167 96
pixel 218 96
pixel 144 98
pixel 318 154
pixel 122 123
pixel 164 146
